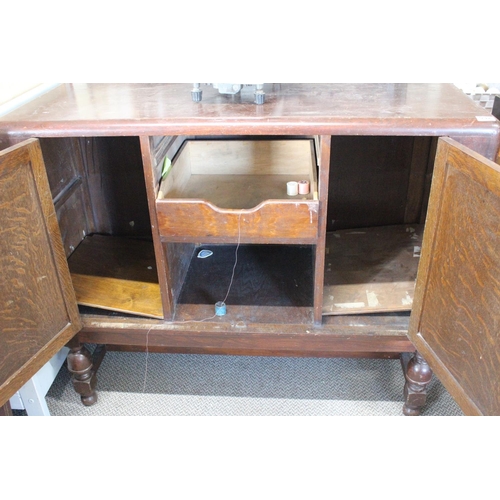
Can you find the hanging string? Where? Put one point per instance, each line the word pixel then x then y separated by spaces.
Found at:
pixel 146 362
pixel 235 258
pixel 232 277
pixel 196 320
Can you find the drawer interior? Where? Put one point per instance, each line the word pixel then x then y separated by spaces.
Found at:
pixel 240 174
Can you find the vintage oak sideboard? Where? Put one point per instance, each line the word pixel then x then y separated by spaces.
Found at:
pixel 110 193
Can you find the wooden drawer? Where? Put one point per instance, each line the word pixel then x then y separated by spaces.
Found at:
pixel 225 190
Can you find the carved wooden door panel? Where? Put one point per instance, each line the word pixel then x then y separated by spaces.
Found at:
pixel 455 322
pixel 38 311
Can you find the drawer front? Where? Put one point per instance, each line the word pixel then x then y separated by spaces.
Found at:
pixel 271 221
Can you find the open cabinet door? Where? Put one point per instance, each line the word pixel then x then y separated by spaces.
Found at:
pixel 38 311
pixel 455 321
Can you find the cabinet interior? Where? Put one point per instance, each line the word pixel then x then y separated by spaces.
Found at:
pixel 100 199
pixel 376 202
pixel 371 270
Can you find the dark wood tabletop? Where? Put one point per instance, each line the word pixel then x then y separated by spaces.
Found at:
pixel 91 109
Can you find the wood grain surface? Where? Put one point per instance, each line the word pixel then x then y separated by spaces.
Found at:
pixel 115 257
pixel 272 221
pixel 371 269
pixel 455 324
pixel 116 274
pixel 166 110
pixel 408 109
pixel 132 297
pixel 225 335
pixel 38 312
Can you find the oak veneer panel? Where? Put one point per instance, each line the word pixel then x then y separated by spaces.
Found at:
pixel 38 312
pixel 456 318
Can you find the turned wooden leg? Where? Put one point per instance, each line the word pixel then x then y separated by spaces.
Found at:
pixel 84 379
pixel 418 376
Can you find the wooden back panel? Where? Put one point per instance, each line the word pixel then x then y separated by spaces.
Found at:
pixel 374 181
pixel 250 157
pixel 38 312
pixel 114 174
pixel 68 184
pixel 455 322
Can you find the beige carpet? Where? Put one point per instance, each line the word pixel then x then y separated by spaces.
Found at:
pixel 139 384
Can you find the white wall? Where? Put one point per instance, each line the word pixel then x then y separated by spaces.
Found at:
pixel 10 90
pixel 13 95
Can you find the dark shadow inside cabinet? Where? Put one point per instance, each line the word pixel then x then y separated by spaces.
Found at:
pixel 379 180
pixel 377 203
pixel 257 283
pixel 99 194
pixel 250 275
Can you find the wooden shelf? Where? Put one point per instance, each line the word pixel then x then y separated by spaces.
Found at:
pixel 371 270
pixel 116 274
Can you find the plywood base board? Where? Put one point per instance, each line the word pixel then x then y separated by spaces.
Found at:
pixel 371 270
pixel 133 297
